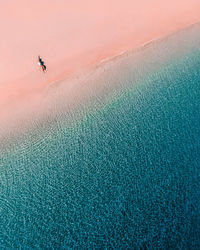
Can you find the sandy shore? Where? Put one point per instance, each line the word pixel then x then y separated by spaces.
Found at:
pixel 72 37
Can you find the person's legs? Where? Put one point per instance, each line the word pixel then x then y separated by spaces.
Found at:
pixel 43 68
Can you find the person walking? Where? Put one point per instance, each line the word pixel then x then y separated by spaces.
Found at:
pixel 41 63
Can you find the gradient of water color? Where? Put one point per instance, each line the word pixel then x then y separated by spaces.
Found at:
pixel 124 177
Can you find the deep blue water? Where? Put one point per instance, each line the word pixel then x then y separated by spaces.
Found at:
pixel 125 177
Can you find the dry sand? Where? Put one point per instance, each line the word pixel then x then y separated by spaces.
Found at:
pixel 72 37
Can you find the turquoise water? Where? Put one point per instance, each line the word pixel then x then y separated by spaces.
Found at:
pixel 125 177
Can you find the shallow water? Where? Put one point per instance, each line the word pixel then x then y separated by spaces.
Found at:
pixel 126 176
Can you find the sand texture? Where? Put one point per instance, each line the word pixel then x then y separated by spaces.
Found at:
pixel 72 37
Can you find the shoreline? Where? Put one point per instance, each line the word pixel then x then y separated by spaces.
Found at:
pixel 81 76
pixel 83 73
pixel 74 37
pixel 62 95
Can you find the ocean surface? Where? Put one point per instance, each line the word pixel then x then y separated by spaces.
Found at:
pixel 124 176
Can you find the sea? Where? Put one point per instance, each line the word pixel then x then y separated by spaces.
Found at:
pixel 122 171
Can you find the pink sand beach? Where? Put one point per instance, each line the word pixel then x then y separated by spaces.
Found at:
pixel 73 37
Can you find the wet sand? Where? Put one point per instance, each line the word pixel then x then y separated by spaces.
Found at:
pixel 73 38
